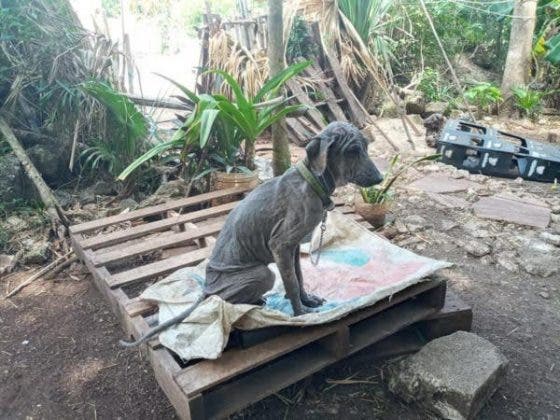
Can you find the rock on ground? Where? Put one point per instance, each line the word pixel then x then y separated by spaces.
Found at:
pixel 453 376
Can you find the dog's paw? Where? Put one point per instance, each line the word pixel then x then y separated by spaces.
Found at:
pixel 312 300
pixel 304 310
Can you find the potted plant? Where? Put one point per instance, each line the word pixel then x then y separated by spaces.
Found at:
pixel 218 136
pixel 373 203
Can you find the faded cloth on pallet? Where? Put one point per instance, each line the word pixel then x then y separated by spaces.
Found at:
pixel 357 269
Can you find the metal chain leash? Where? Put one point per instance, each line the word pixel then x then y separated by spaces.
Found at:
pixel 318 252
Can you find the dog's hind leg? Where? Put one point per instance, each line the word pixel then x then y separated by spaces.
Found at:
pixel 243 286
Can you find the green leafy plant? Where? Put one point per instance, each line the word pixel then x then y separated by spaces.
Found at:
pixel 128 127
pixel 433 87
pixel 381 193
pixel 484 95
pixel 212 135
pixel 528 101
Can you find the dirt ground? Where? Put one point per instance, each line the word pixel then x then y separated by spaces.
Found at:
pixel 59 353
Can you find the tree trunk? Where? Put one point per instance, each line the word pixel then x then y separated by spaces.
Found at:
pixel 55 212
pixel 280 146
pixel 518 61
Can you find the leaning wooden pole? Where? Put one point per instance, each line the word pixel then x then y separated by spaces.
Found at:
pixel 58 218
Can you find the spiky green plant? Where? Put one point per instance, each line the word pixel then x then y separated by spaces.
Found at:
pixel 528 101
pixel 217 126
pixel 379 194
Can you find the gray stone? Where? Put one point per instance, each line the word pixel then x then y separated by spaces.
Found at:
pixel 550 238
pixel 544 295
pixel 477 229
pixel 415 105
pixel 542 265
pixel 453 376
pixel 13 181
pixel 64 198
pixel 128 203
pixel 415 223
pixel 507 261
pixel 87 196
pixel 435 108
pixel 36 252
pixel 103 188
pixel 475 248
pixel 555 209
pixel 48 161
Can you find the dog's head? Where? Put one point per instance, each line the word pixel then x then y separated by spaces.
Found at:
pixel 341 149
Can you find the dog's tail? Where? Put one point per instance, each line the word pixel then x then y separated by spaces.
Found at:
pixel 166 324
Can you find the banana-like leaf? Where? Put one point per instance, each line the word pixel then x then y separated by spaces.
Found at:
pixel 154 151
pixel 238 118
pixel 553 54
pixel 242 102
pixel 265 123
pixel 122 108
pixel 271 87
pixel 206 122
pixel 190 94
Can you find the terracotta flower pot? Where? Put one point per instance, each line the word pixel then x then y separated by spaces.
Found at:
pixel 374 214
pixel 224 180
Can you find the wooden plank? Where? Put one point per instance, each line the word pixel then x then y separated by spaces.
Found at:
pixel 137 306
pixel 164 368
pixel 513 211
pixel 299 137
pixel 455 315
pixel 332 101
pixel 302 97
pixel 104 240
pixel 308 125
pixel 176 239
pixel 298 364
pixel 208 373
pixel 155 210
pixel 148 271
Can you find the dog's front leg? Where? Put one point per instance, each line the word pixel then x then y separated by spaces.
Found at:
pixel 284 258
pixel 308 299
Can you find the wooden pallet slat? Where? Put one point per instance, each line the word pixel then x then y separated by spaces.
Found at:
pixel 155 244
pixel 124 235
pixel 158 268
pixel 155 210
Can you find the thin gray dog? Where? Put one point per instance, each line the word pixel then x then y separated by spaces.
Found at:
pixel 271 222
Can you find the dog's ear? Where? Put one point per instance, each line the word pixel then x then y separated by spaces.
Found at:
pixel 316 151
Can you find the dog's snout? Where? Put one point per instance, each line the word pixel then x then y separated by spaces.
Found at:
pixel 369 176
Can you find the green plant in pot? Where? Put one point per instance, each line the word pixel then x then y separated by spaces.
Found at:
pixel 373 203
pixel 218 136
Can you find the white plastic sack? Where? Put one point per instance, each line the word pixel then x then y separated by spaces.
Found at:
pixel 357 269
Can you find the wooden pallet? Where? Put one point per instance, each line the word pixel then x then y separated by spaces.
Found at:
pixel 126 253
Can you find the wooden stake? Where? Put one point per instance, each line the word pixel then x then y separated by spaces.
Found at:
pixel 43 271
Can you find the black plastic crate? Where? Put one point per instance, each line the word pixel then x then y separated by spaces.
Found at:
pixel 540 163
pixel 479 149
pixel 488 151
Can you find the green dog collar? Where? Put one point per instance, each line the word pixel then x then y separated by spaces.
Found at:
pixel 316 185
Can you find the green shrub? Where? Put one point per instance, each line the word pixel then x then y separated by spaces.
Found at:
pixel 433 87
pixel 527 101
pixel 484 95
